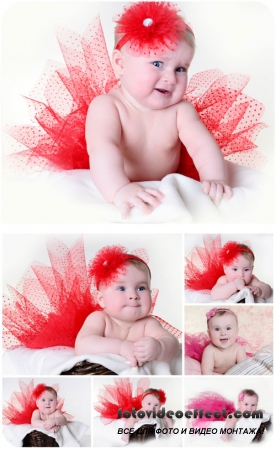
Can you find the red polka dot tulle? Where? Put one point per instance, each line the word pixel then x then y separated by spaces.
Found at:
pixel 58 106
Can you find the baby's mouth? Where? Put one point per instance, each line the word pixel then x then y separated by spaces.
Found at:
pixel 224 340
pixel 163 91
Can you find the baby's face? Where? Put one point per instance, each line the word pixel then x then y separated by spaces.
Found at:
pixel 47 403
pixel 150 402
pixel 128 298
pixel 223 330
pixel 158 80
pixel 240 268
pixel 249 403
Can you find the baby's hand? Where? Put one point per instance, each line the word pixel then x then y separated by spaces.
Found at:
pixel 255 290
pixel 240 284
pixel 127 351
pixel 56 428
pixel 216 190
pixel 49 424
pixel 224 437
pixel 133 194
pixel 147 349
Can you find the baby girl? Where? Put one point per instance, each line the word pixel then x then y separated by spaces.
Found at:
pixel 223 352
pixel 247 401
pixel 47 416
pixel 238 263
pixel 124 326
pixel 134 133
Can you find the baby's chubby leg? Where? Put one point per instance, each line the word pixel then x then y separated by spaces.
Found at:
pixel 133 194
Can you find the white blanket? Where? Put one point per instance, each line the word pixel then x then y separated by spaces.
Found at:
pixel 68 436
pixel 72 197
pixel 54 360
pixel 199 297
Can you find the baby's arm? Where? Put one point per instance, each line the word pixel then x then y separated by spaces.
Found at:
pixel 204 151
pixel 241 354
pixel 259 288
pixel 103 136
pixel 91 339
pixel 49 424
pixel 229 423
pixel 223 289
pixel 157 344
pixel 207 361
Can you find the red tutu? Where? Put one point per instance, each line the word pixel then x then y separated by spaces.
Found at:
pixel 196 343
pixel 22 405
pixel 58 105
pixel 51 303
pixel 211 401
pixel 111 398
pixel 203 267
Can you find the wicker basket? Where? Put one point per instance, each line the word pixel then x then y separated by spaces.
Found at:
pixel 88 368
pixel 38 439
pixel 143 433
pixel 264 426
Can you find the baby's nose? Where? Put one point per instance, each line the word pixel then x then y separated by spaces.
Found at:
pixel 169 77
pixel 134 295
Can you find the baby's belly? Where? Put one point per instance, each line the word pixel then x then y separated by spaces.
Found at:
pixel 152 169
pixel 223 367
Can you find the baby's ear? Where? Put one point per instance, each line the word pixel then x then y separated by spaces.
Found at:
pixel 100 300
pixel 117 62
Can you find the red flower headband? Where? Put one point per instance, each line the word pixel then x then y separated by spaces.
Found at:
pixel 39 389
pixel 108 262
pixel 161 395
pixel 150 26
pixel 231 250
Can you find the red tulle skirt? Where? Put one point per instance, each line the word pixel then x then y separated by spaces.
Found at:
pixel 203 266
pixel 58 106
pixel 120 395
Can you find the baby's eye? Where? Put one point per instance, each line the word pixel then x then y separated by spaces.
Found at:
pixel 141 288
pixel 216 329
pixel 246 270
pixel 234 269
pixel 120 288
pixel 181 69
pixel 228 328
pixel 157 64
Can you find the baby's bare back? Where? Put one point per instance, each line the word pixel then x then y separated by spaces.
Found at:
pixel 150 145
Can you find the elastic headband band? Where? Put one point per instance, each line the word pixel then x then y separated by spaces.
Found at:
pixel 213 312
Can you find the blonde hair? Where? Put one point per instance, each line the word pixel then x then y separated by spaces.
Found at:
pixel 140 266
pixel 246 254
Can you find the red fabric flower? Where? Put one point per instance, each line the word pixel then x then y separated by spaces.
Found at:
pixel 108 262
pixel 150 26
pixel 38 390
pixel 230 251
